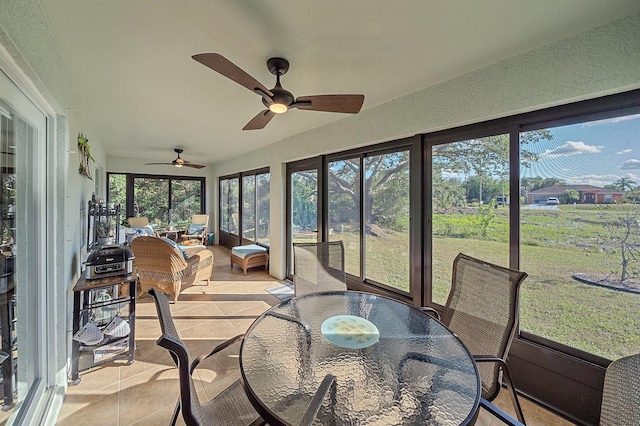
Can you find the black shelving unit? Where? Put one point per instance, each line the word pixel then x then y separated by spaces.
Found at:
pixel 102 218
pixel 87 305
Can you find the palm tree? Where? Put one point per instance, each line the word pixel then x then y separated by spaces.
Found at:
pixel 624 184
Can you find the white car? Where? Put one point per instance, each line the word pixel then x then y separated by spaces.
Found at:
pixel 553 201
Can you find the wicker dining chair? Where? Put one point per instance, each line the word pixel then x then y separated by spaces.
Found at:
pixel 318 267
pixel 230 407
pixel 163 266
pixel 482 310
pixel 197 229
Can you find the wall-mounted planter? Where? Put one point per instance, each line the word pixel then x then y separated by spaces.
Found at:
pixel 86 160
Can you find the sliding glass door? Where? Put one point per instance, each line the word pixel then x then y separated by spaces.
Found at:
pixel 23 243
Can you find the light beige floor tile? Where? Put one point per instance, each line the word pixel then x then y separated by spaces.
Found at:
pixel 85 409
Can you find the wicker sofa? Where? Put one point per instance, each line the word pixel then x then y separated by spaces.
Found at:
pixel 162 266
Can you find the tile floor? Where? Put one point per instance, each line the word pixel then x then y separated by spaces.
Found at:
pixel 145 392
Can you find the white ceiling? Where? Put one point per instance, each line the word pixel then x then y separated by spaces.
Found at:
pixel 144 95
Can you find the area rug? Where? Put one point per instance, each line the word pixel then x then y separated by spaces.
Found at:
pixel 283 291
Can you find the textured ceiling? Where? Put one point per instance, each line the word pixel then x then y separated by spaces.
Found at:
pixel 144 95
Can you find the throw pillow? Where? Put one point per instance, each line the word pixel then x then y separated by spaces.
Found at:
pixel 195 229
pixel 176 247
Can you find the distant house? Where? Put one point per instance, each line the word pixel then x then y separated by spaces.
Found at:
pixel 589 194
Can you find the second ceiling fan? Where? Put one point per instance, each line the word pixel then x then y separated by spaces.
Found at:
pixel 278 100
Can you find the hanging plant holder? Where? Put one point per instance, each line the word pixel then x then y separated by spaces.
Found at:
pixel 86 160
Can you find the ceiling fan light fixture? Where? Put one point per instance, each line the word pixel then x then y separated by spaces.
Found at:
pixel 178 164
pixel 278 108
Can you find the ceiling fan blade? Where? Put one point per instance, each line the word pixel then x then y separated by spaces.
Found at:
pixel 220 64
pixel 194 166
pixel 349 104
pixel 260 120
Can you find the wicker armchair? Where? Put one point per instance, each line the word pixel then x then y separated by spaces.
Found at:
pixel 318 267
pixel 160 265
pixel 230 407
pixel 482 310
pixel 197 229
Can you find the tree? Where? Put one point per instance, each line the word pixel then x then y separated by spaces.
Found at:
pixel 570 196
pixel 485 157
pixel 623 233
pixel 624 184
pixel 386 184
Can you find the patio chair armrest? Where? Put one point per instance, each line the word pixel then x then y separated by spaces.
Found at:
pixel 430 311
pixel 506 375
pixel 316 402
pixel 215 350
pixel 504 417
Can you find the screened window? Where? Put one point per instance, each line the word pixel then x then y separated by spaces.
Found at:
pixel 470 186
pixel 386 219
pixel 580 235
pixel 344 209
pixel 168 201
pixel 245 207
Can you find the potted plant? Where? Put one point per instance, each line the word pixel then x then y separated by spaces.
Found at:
pixel 103 232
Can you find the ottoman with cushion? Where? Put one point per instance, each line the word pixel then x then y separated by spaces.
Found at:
pixel 249 256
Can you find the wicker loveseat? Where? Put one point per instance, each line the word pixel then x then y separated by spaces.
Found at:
pixel 162 266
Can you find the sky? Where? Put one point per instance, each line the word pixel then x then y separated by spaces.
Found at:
pixel 594 153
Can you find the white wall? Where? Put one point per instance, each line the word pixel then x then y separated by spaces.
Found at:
pixel 602 61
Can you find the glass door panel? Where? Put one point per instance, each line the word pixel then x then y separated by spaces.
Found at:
pixel 263 208
pixel 304 206
pixel 467 179
pixel 249 207
pixel 344 210
pixel 386 218
pixel 23 243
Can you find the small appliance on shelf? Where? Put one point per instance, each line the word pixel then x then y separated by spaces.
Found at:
pixel 109 261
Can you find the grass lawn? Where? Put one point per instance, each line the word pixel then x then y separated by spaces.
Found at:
pixel 555 244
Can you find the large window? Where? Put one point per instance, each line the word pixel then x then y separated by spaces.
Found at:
pixel 580 235
pixel 244 208
pixel 469 204
pixel 168 201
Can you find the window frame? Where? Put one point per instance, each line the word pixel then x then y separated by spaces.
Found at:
pixel 229 239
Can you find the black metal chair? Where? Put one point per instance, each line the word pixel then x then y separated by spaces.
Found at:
pixel 482 310
pixel 318 267
pixel 230 407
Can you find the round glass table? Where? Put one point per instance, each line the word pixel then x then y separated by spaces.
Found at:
pixel 391 364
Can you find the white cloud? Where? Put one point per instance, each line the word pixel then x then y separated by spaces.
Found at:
pixel 624 151
pixel 598 180
pixel 572 148
pixel 630 165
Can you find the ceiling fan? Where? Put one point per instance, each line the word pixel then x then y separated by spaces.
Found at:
pixel 278 100
pixel 178 162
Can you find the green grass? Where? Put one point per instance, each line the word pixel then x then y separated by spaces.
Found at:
pixel 555 244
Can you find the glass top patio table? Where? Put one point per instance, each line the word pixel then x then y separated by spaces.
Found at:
pixel 392 363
